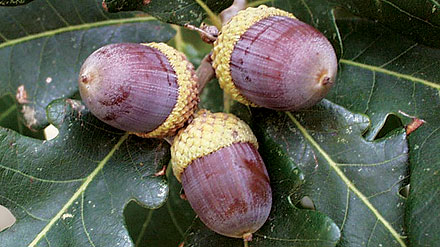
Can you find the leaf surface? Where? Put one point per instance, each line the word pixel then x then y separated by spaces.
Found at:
pixel 71 191
pixel 417 19
pixel 381 74
pixel 179 12
pixel 165 226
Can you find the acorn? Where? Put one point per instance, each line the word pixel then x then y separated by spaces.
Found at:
pixel 147 89
pixel 266 57
pixel 223 176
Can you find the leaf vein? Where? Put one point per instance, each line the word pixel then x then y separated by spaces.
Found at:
pixel 144 227
pixel 24 209
pixel 398 56
pixel 408 14
pixel 57 13
pixel 78 192
pixel 40 179
pixel 75 28
pixel 84 223
pixel 6 113
pixel 372 164
pixel 347 203
pixel 351 186
pixel 372 232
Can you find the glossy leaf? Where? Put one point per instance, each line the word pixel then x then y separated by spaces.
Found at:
pixel 353 181
pixel 417 19
pixel 71 191
pixel 42 47
pixel 176 11
pixel 384 73
pixel 165 226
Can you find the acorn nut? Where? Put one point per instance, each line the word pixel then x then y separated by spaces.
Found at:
pixel 147 89
pixel 224 178
pixel 266 57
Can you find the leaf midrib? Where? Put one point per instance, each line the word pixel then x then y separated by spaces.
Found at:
pixel 71 28
pixel 78 192
pixel 349 184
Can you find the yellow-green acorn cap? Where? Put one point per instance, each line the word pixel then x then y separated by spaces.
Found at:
pixel 188 94
pixel 207 133
pixel 229 36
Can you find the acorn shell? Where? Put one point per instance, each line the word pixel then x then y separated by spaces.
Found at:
pixel 147 89
pixel 229 190
pixel 223 175
pixel 266 57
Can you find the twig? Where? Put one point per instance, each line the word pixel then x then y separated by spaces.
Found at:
pixel 208 33
pixel 205 72
pixel 230 12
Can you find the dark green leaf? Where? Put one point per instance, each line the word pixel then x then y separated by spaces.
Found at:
pixel 71 191
pixel 418 19
pixel 14 2
pixel 164 227
pixel 176 11
pixel 353 181
pixel 10 118
pixel 44 43
pixel 383 73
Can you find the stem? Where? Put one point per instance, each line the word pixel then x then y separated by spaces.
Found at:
pixel 227 102
pixel 205 72
pixel 206 36
pixel 169 139
pixel 230 12
pixel 246 238
pixel 214 18
pixel 178 39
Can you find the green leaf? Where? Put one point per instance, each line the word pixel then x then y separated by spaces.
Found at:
pixel 14 2
pixel 176 11
pixel 71 191
pixel 164 226
pixel 11 118
pixel 417 19
pixel 43 45
pixel 353 181
pixel 383 73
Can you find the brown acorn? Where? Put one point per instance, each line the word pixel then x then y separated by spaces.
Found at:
pixel 266 57
pixel 223 175
pixel 147 89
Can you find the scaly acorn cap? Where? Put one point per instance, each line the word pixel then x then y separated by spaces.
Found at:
pixel 207 133
pixel 188 98
pixel 230 35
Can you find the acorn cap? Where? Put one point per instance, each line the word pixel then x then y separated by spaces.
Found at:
pixel 207 133
pixel 230 35
pixel 188 94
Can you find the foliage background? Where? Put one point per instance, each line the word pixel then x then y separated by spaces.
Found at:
pixel 350 155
